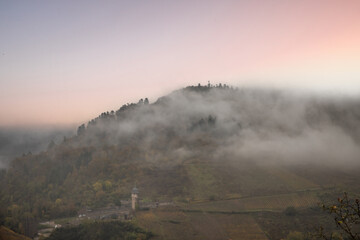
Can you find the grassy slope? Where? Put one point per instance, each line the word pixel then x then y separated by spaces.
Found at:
pixel 219 180
pixel 246 218
pixel 7 234
pixel 238 208
pixel 172 224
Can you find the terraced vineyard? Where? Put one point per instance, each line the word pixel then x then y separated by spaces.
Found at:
pixel 274 202
pixel 211 180
pixel 231 219
pixel 292 180
pixel 174 224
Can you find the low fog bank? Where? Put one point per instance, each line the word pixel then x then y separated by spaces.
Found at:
pixel 259 124
pixel 15 142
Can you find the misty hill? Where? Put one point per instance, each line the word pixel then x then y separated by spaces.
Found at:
pixel 196 144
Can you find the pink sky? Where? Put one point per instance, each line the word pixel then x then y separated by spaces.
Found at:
pixel 65 62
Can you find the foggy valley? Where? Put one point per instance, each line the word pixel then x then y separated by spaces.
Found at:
pixel 15 142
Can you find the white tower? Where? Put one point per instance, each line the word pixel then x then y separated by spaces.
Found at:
pixel 134 198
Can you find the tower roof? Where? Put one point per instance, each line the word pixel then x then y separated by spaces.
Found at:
pixel 135 190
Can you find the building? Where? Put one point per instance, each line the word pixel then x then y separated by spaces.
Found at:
pixel 134 198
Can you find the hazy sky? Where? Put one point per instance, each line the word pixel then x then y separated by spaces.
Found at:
pixel 64 62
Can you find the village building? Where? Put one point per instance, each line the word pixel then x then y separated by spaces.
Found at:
pixel 134 198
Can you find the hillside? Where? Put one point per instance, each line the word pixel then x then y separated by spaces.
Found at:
pixel 209 149
pixel 7 234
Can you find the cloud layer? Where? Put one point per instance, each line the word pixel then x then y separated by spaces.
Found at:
pixel 263 125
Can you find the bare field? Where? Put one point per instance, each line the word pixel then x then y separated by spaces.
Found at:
pixel 174 224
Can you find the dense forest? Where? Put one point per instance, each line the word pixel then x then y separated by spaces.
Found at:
pixel 200 143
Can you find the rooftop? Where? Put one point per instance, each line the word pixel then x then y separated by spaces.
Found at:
pixel 135 190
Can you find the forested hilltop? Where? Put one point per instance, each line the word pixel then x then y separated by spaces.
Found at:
pixel 197 144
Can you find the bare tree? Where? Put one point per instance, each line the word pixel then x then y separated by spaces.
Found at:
pixel 346 214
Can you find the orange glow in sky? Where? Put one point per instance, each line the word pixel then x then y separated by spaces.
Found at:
pixel 65 62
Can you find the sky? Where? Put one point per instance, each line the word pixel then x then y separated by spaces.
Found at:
pixel 64 62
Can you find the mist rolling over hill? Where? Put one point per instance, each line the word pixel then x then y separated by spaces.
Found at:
pixel 210 150
pixel 262 125
pixel 101 139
